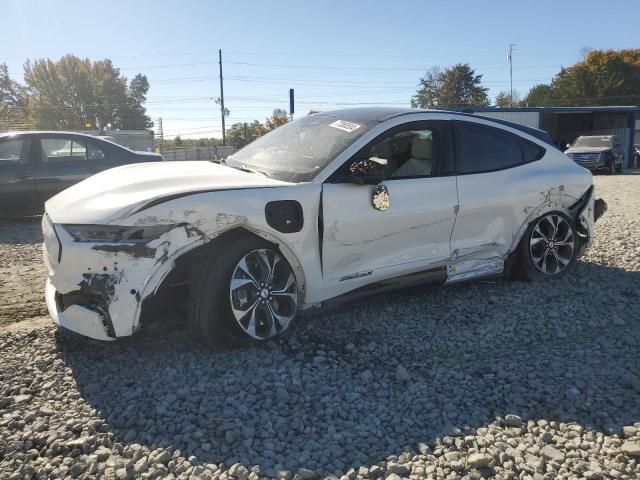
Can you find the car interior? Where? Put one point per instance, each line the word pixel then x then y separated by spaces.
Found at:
pixel 406 154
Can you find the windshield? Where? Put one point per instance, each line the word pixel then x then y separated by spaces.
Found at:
pixel 592 142
pixel 298 151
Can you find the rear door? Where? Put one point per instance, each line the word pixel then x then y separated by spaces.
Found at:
pixel 17 180
pixel 497 174
pixel 64 160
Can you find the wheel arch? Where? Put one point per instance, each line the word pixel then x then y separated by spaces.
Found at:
pixel 178 269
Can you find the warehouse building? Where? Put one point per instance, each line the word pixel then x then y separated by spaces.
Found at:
pixel 565 124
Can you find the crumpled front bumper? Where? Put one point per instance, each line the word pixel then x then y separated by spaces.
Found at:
pixel 97 289
pixel 76 318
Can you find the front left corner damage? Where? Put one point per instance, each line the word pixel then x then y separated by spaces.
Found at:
pixel 117 278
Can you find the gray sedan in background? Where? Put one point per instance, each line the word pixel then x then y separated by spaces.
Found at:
pixel 34 166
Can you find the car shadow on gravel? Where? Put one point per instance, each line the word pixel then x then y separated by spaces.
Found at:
pixel 381 376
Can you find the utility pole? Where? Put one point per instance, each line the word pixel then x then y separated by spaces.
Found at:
pixel 160 134
pixel 510 57
pixel 291 104
pixel 222 110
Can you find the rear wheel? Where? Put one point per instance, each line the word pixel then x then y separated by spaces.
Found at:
pixel 548 248
pixel 611 166
pixel 245 293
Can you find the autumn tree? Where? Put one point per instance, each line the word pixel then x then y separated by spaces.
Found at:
pixel 457 86
pixel 603 77
pixel 72 93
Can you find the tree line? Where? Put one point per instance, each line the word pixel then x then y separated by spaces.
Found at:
pixel 602 77
pixel 73 93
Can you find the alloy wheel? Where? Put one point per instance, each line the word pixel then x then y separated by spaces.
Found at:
pixel 263 293
pixel 552 244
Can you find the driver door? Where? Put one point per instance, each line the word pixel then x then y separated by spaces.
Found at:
pixel 363 242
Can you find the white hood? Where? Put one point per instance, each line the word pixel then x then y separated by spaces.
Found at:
pixel 117 192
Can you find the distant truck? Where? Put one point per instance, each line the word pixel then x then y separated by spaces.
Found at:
pixel 597 153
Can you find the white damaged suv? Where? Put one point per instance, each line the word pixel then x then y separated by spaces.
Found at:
pixel 332 205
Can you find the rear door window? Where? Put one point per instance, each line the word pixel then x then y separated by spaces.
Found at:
pixel 480 148
pixel 95 153
pixel 11 152
pixel 63 150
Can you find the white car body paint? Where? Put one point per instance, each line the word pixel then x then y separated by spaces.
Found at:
pixel 468 224
pixel 414 231
pixel 116 193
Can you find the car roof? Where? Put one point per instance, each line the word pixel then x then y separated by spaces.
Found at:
pixel 382 114
pixel 102 139
pixel 45 132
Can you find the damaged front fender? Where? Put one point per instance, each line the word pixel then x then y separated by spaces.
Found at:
pixel 112 279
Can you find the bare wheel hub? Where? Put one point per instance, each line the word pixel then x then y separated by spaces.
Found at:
pixel 551 244
pixel 263 293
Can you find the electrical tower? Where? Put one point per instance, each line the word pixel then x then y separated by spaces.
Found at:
pixel 160 134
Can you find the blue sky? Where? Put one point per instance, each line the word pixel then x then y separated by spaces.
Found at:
pixel 334 53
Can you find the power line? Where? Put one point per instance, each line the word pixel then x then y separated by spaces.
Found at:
pixel 335 67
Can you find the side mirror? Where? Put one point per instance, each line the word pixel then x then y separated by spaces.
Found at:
pixel 367 172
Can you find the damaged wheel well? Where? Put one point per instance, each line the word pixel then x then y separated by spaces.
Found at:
pixel 170 300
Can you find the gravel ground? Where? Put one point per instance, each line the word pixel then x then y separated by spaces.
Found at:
pixel 494 379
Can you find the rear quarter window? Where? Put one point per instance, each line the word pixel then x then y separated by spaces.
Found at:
pixel 480 149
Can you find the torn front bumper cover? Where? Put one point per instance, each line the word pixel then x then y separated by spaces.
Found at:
pixel 77 318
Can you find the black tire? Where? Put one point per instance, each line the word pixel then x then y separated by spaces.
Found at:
pixel 611 166
pixel 211 319
pixel 527 268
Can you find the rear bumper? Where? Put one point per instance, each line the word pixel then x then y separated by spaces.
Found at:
pixel 76 318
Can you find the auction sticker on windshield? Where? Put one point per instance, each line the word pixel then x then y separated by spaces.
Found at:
pixel 344 125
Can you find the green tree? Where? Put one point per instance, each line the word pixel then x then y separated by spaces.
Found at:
pixel 178 141
pixel 603 77
pixel 243 133
pixel 14 102
pixel 133 116
pixel 503 99
pixel 540 96
pixel 457 86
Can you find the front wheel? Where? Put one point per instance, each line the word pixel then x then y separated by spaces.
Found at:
pixel 548 248
pixel 246 292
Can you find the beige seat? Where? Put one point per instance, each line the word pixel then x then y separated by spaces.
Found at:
pixel 421 162
pixel 383 154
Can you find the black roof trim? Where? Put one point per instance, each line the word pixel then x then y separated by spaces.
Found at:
pixel 534 132
pixel 382 114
